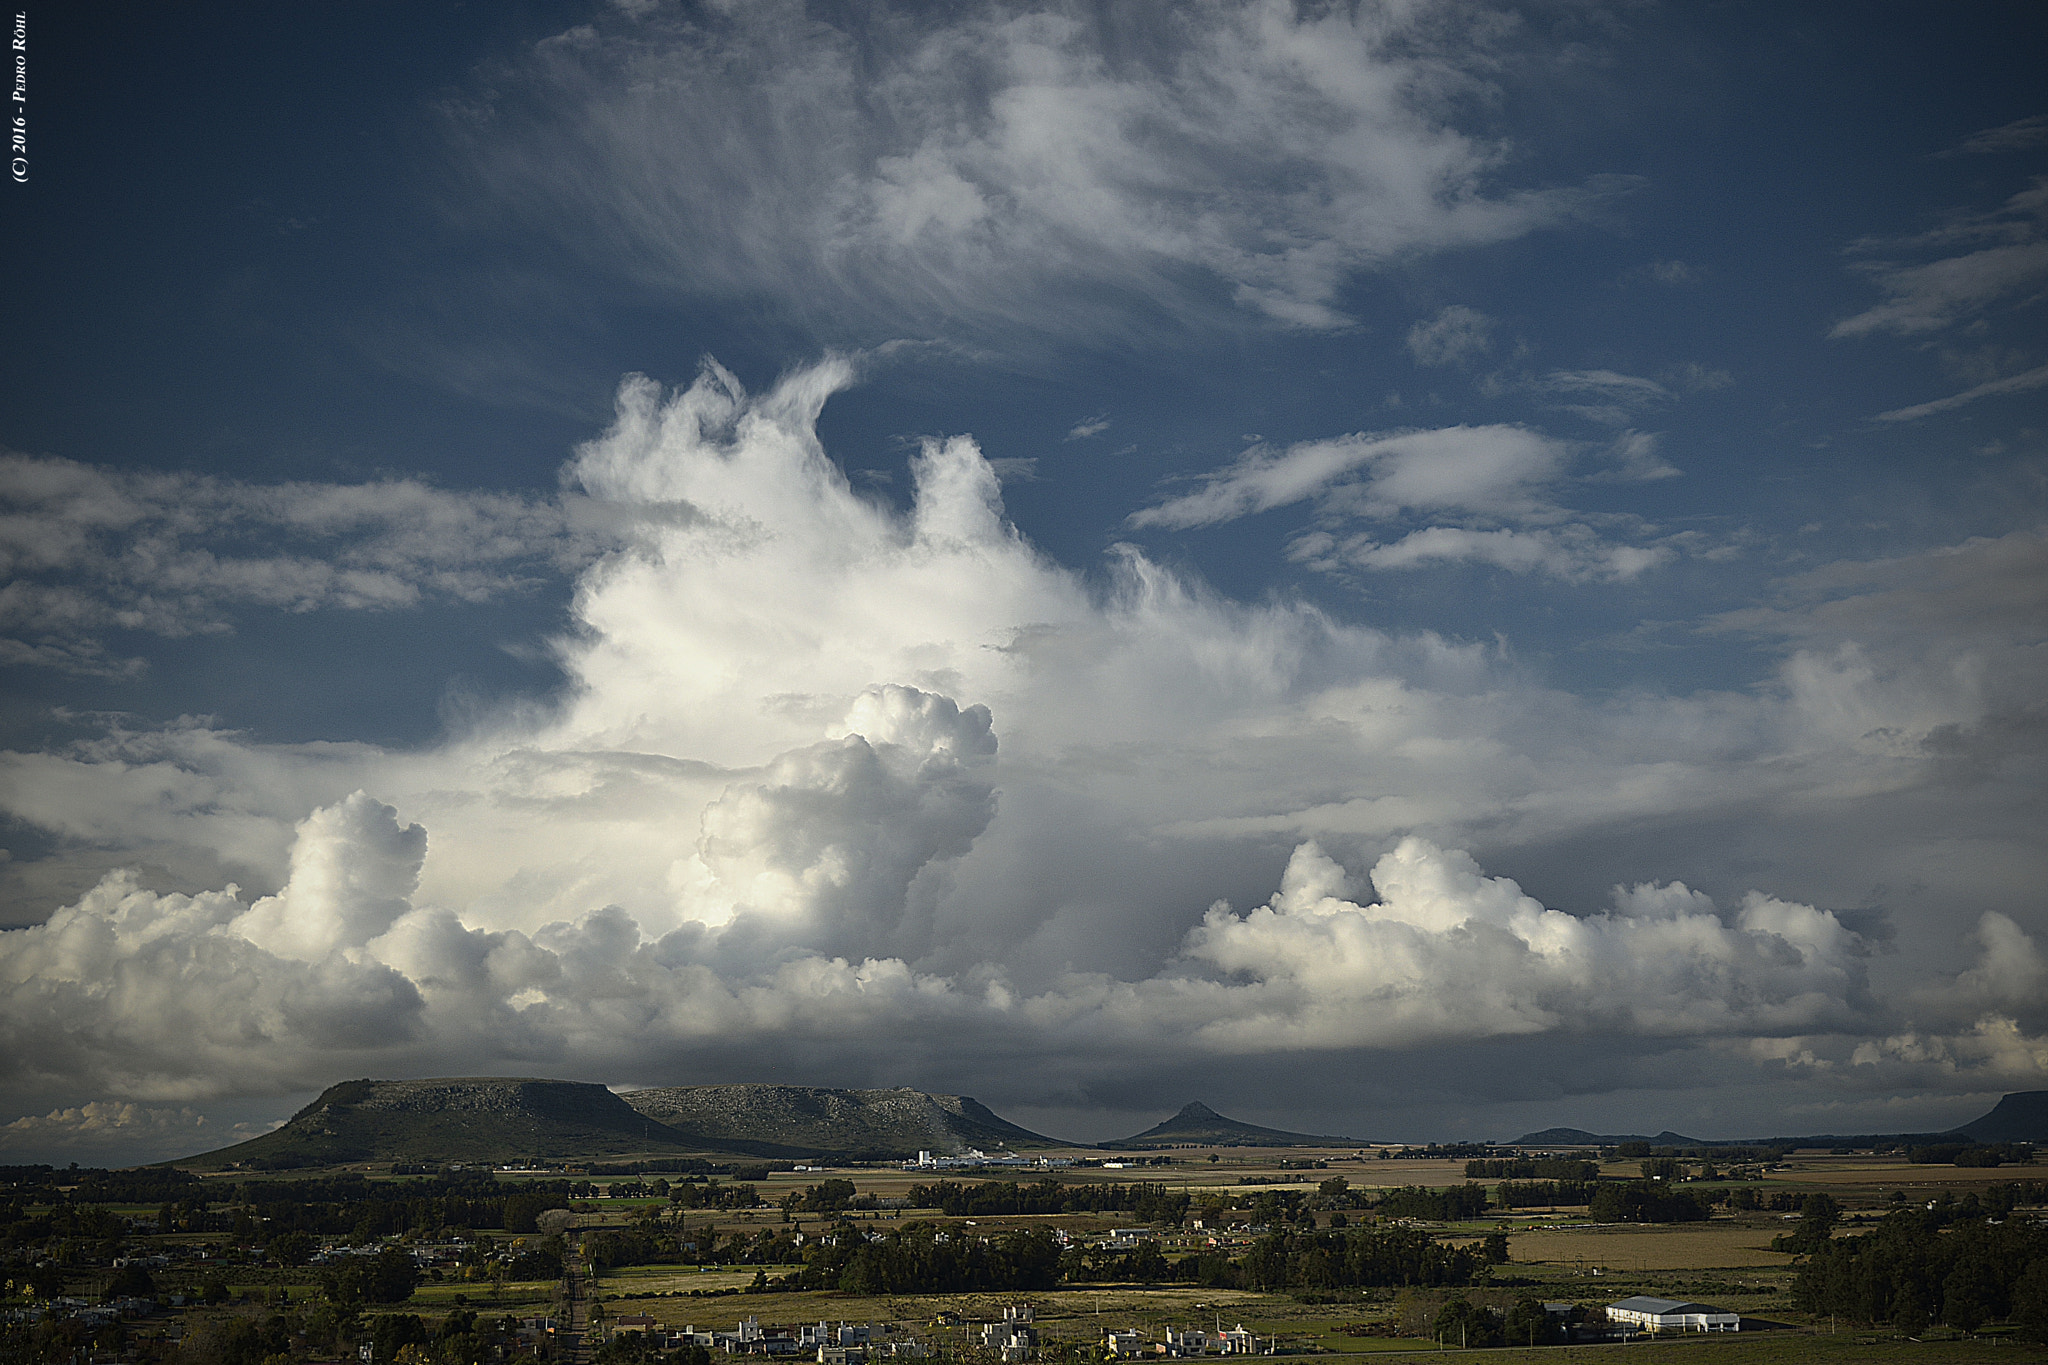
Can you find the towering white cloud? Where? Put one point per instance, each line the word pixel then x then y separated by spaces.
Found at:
pixel 836 779
pixel 353 869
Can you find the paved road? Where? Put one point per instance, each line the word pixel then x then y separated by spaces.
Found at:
pixel 576 1289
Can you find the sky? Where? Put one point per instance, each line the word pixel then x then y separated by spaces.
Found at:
pixel 1421 570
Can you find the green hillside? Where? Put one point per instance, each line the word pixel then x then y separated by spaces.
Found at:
pixel 466 1119
pixel 823 1121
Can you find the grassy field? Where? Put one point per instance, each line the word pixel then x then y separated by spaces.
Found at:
pixel 668 1281
pixel 1690 1246
pixel 1554 1255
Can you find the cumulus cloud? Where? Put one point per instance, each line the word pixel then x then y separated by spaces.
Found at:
pixel 843 790
pixel 180 996
pixel 826 844
pixel 1448 951
pixel 114 1131
pixel 352 870
pixel 1984 1026
pixel 992 167
pixel 157 997
pixel 85 551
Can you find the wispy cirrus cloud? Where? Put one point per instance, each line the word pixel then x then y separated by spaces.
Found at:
pixel 2017 136
pixel 1496 469
pixel 1932 296
pixel 87 551
pixel 1604 396
pixel 1575 554
pixel 1485 495
pixel 992 167
pixel 2023 382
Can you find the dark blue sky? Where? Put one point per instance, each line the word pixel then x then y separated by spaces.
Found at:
pixel 1646 394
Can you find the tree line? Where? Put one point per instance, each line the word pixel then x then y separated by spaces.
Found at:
pixel 1532 1168
pixel 1924 1265
pixel 996 1198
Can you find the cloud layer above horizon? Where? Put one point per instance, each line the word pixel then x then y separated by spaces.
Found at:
pixel 835 778
pixel 1416 568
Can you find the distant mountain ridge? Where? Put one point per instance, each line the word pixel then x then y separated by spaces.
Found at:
pixel 1579 1137
pixel 2021 1116
pixel 498 1120
pixel 826 1121
pixel 466 1118
pixel 1200 1126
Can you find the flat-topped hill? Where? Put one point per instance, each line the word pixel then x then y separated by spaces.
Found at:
pixel 469 1119
pixel 831 1122
pixel 1199 1125
pixel 1579 1137
pixel 2021 1116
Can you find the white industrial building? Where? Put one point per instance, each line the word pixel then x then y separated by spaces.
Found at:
pixel 1669 1315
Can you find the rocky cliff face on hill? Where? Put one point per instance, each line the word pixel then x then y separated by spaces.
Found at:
pixel 492 1119
pixel 827 1121
pixel 468 1119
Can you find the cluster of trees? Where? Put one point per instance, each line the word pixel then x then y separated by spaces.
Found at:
pixel 1357 1258
pixel 1462 1324
pixel 1774 1201
pixel 458 1339
pixel 291 1333
pixel 1532 1168
pixel 1645 1201
pixel 1543 1193
pixel 1447 1205
pixel 827 1196
pixel 388 1277
pixel 353 1205
pixel 628 1246
pixel 1971 1154
pixel 387 1215
pixel 1637 1201
pixel 543 1262
pixel 922 1258
pixel 1932 1265
pixel 713 1196
pixel 634 1348
pixel 1818 1214
pixel 65 1222
pixel 96 1185
pixel 664 1165
pixel 997 1198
